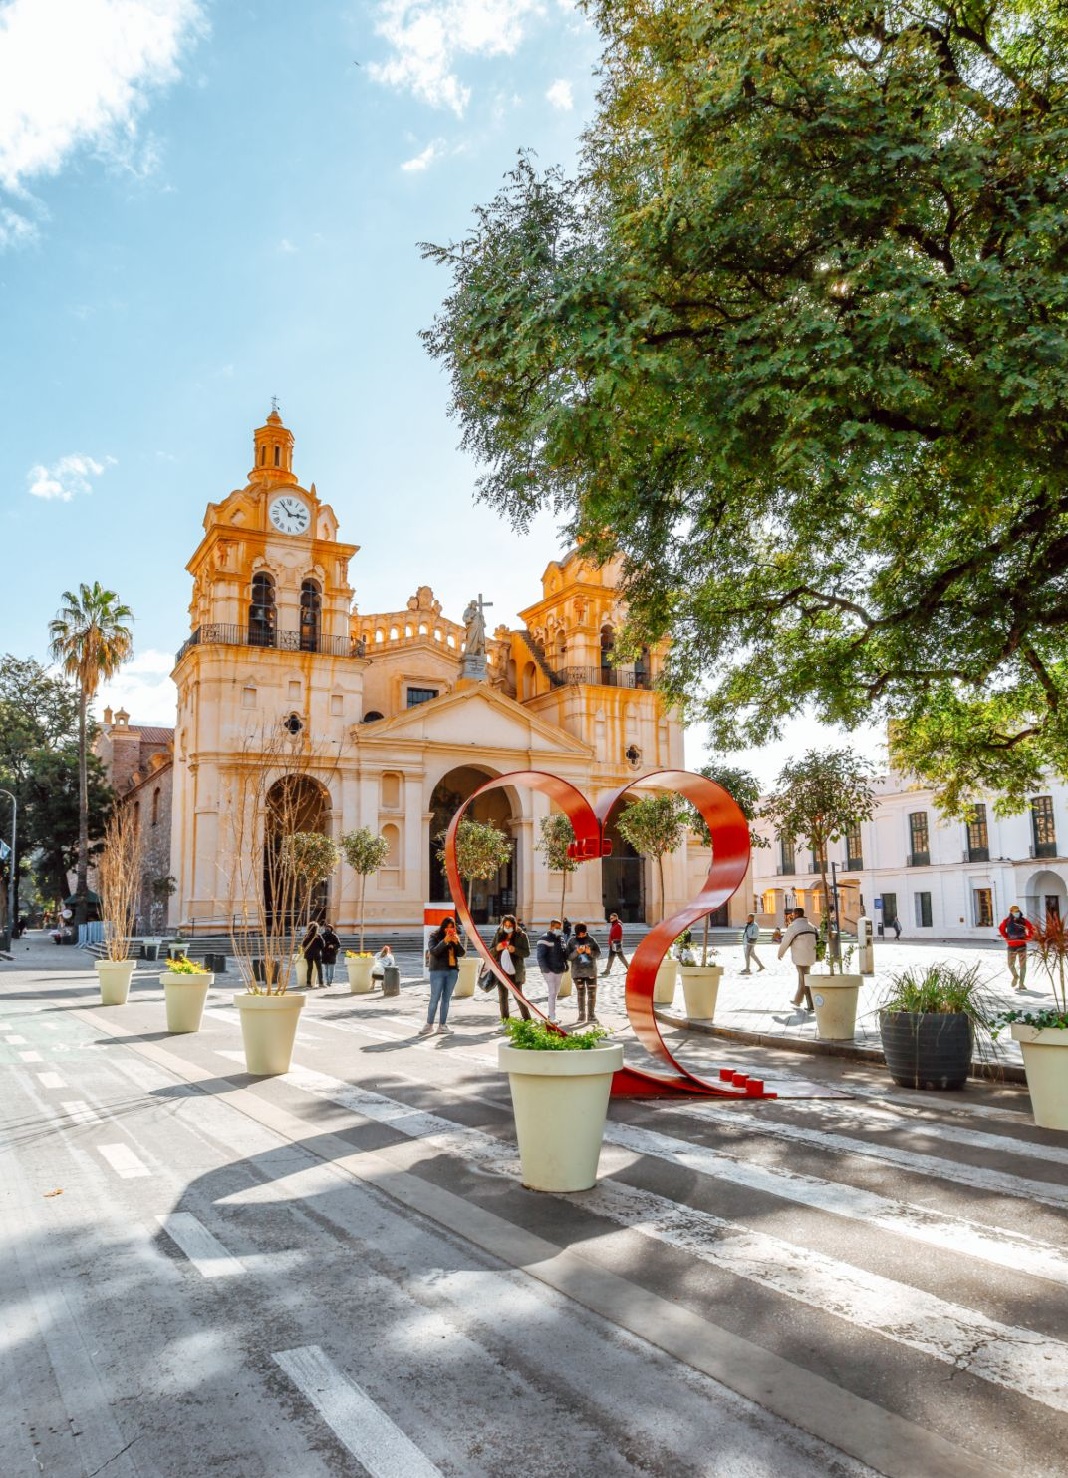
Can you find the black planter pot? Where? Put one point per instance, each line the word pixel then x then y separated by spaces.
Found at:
pixel 927 1049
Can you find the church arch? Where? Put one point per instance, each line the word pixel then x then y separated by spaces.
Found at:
pixel 490 897
pixel 294 803
pixel 530 681
pixel 262 612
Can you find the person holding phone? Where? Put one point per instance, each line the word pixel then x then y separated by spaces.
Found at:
pixel 510 950
pixel 583 952
pixel 445 951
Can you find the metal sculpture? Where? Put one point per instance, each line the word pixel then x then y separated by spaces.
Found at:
pixel 729 831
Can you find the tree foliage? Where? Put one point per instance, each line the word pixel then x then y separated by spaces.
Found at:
pixel 364 851
pixel 557 836
pixel 744 789
pixel 792 341
pixel 482 849
pixel 655 825
pixel 817 798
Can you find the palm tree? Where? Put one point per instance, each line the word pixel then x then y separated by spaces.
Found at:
pixel 90 639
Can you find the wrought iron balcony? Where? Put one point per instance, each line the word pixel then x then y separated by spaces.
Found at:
pixel 977 854
pixel 1043 849
pixel 919 859
pixel 605 677
pixel 221 634
pixel 854 864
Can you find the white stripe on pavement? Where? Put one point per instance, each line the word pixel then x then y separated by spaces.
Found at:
pixel 123 1160
pixel 31 1057
pixel 862 1118
pixel 372 1437
pixel 1046 1192
pixel 50 1080
pixel 204 1250
pixel 78 1110
pixel 994 1245
pixel 15 1041
pixel 1007 1355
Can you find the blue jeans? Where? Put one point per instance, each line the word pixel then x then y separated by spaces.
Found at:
pixel 329 967
pixel 442 985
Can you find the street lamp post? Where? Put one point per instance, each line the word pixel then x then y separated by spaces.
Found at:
pixel 11 871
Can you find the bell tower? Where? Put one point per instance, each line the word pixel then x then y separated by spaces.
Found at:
pixel 272 456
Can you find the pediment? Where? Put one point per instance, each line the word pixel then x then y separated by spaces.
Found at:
pixel 477 714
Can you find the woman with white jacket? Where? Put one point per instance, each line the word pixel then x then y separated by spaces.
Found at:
pixel 800 939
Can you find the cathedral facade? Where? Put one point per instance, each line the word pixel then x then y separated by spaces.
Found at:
pixel 388 720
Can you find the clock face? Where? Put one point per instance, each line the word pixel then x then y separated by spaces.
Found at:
pixel 289 515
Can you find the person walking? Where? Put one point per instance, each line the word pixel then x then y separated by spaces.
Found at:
pixel 615 945
pixel 510 949
pixel 750 935
pixel 445 951
pixel 800 939
pixel 583 952
pixel 552 961
pixel 1016 931
pixel 895 924
pixel 311 947
pixel 331 947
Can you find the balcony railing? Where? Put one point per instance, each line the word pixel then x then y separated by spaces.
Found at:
pixel 854 864
pixel 221 634
pixel 605 677
pixel 977 854
pixel 1043 849
pixel 919 859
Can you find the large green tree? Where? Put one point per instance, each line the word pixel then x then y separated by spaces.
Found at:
pixel 792 341
pixel 90 638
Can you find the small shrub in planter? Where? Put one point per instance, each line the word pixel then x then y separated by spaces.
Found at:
pixel 1043 1034
pixel 930 1023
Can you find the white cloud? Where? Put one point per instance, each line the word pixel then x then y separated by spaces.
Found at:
pixel 429 37
pixel 424 160
pixel 66 479
pixel 78 74
pixel 560 96
pixel 15 229
pixel 143 688
pixel 286 247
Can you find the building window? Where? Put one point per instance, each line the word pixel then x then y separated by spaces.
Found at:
pixel 608 646
pixel 889 909
pixel 278 456
pixel 922 902
pixel 262 615
pixel 420 695
pixel 293 724
pixel 919 840
pixel 854 849
pixel 1042 827
pixel 819 859
pixel 787 856
pixel 337 705
pixel 372 717
pixel 311 602
pixel 155 806
pixel 982 907
pixel 978 836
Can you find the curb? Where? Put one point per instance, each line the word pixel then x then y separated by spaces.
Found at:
pixel 988 1072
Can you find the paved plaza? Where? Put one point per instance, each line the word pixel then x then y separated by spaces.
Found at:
pixel 338 1272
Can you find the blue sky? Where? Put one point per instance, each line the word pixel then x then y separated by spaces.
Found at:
pixel 203 205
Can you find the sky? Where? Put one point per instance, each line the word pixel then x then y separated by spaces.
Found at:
pixel 206 204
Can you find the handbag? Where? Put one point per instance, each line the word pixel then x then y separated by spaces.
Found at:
pixel 486 978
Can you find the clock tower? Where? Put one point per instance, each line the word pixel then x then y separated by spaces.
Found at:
pixel 270 647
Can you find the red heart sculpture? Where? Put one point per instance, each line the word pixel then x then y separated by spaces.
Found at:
pixel 730 859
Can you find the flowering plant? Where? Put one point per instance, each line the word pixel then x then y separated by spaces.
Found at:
pixel 184 966
pixel 358 954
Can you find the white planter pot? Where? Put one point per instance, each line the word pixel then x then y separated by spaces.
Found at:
pixel 1045 1055
pixel 664 989
pixel 835 1000
pixel 268 1030
pixel 359 973
pixel 115 977
pixel 560 1102
pixel 183 998
pixel 300 967
pixel 566 985
pixel 700 986
pixel 470 965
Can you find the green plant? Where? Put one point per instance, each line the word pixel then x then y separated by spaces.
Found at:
pixel 654 826
pixel 940 989
pixel 482 849
pixel 364 851
pixel 536 1036
pixel 184 966
pixel 557 838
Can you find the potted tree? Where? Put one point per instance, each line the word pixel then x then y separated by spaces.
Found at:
pixel 557 837
pixel 560 1086
pixel 119 882
pixel 274 794
pixel 656 825
pixel 700 982
pixel 929 1023
pixel 185 990
pixel 482 849
pixel 1043 1035
pixel 817 798
pixel 365 851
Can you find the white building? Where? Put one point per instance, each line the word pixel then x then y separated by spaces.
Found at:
pixel 940 878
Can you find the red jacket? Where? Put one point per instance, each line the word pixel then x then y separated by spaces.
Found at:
pixel 615 933
pixel 1016 932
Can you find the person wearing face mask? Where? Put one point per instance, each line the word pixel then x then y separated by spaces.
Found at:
pixel 510 949
pixel 583 952
pixel 1016 931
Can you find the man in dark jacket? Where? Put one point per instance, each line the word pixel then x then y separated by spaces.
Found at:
pixel 583 952
pixel 331 946
pixel 552 961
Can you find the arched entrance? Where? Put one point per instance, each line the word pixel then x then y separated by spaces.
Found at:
pixel 622 877
pixel 294 803
pixel 1045 892
pixel 490 897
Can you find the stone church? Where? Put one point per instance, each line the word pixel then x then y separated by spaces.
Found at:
pixel 392 719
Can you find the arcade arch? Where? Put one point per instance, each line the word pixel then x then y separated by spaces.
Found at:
pixel 293 803
pixel 490 897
